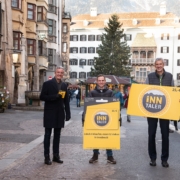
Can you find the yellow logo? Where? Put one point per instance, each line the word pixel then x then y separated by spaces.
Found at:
pixel 154 101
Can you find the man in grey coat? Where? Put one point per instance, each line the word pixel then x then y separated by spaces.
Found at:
pixel 56 111
pixel 161 78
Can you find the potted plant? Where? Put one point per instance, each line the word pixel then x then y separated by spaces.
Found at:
pixel 4 99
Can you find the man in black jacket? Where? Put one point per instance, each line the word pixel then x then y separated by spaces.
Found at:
pixel 55 95
pixel 101 91
pixel 161 78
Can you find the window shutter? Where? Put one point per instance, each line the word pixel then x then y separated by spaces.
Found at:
pixel 162 36
pixel 130 37
pixel 93 49
pixel 167 49
pixel 167 36
pixel 93 37
pixel 77 37
pixel 80 37
pixel 76 50
pixel 88 50
pixel 178 36
pixel 81 50
pixel 34 15
pixel 88 37
pixel 85 49
pixel 0 20
pixel 161 49
pixel 71 50
pixel 71 37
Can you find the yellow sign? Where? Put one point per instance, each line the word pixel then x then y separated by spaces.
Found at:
pixel 154 101
pixel 62 93
pixel 101 127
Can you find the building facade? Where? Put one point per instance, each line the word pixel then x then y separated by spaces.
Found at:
pixel 149 35
pixel 6 46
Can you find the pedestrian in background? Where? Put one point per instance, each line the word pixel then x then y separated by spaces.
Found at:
pixel 55 95
pixel 101 90
pixel 78 97
pixel 118 95
pixel 126 98
pixel 160 78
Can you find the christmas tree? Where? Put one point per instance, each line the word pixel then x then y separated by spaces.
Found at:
pixel 113 52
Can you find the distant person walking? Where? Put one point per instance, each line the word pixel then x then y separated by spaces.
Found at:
pixel 78 97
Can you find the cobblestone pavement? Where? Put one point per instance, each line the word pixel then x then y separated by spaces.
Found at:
pixel 132 159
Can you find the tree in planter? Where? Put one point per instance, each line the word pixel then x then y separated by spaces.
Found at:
pixel 113 52
pixel 4 99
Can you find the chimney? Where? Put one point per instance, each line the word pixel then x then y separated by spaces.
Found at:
pixel 163 8
pixel 93 11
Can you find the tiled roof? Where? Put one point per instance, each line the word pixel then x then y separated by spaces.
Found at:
pixel 145 40
pixel 143 20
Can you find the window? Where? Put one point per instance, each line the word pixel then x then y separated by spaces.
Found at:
pixel 65 28
pixel 73 62
pixel 51 27
pixel 52 56
pixel 52 6
pixel 88 74
pixel 91 62
pixel 82 37
pixel 82 75
pixel 73 75
pixel 127 37
pixel 16 4
pixel 178 62
pixel 91 50
pixel 31 46
pixel 178 76
pixel 41 13
pixel 16 40
pixel 178 49
pixel 74 38
pixel 42 48
pixel 1 15
pixel 91 37
pixel 166 62
pixel 141 74
pixel 83 50
pixel 64 47
pixel 74 50
pixel 165 36
pixel 97 49
pixel 64 65
pixel 82 62
pixel 164 49
pixel 31 11
pixel 98 37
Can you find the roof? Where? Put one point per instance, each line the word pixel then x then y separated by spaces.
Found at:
pixel 145 40
pixel 110 79
pixel 143 20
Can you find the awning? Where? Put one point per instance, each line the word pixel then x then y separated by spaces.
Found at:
pixel 110 79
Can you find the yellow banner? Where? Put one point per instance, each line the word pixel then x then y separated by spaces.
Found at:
pixel 102 126
pixel 154 101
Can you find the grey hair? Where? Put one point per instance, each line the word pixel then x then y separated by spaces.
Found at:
pixel 159 59
pixel 59 67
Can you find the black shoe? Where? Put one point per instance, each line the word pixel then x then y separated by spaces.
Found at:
pixel 176 128
pixel 152 163
pixel 94 158
pixel 47 160
pixel 165 164
pixel 56 158
pixel 128 120
pixel 111 160
pixel 171 131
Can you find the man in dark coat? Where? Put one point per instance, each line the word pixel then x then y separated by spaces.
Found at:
pixel 162 78
pixel 55 95
pixel 101 90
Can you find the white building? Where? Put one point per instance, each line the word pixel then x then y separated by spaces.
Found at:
pixel 149 35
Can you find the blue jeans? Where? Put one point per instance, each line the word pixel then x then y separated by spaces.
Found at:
pixel 108 152
pixel 78 102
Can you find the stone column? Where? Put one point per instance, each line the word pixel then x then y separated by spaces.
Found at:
pixel 22 87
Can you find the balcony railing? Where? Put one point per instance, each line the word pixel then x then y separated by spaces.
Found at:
pixel 52 9
pixel 143 61
pixel 66 15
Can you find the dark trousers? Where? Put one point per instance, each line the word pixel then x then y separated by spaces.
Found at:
pixel 152 126
pixel 56 140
